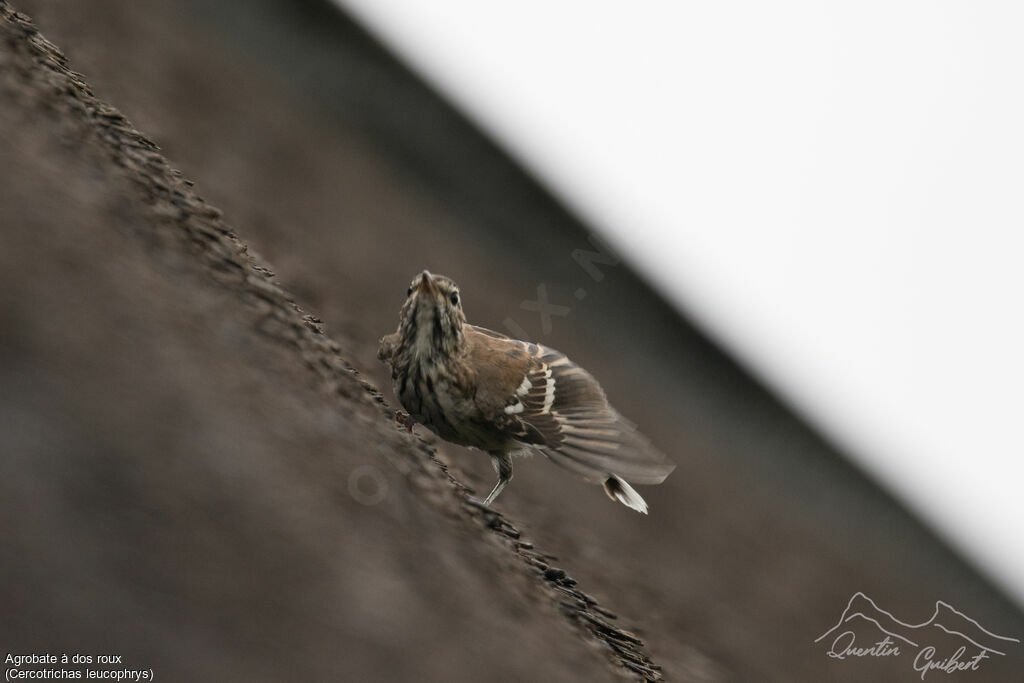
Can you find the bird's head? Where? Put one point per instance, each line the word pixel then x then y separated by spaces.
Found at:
pixel 432 317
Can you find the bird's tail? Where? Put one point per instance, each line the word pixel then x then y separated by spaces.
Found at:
pixel 618 489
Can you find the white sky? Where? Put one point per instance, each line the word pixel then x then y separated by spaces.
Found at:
pixel 834 190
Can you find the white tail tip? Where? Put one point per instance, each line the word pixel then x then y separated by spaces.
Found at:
pixel 618 489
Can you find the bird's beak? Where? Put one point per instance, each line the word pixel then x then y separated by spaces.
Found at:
pixel 426 284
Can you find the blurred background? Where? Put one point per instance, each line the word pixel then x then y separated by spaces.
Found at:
pixel 702 206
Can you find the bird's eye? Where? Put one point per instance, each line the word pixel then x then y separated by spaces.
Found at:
pixel 409 293
pixel 454 298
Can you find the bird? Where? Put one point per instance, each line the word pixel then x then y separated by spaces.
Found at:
pixel 478 388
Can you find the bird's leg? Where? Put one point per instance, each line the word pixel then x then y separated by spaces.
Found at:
pixel 503 464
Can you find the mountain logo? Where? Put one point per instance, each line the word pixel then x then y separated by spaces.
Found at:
pixel 949 641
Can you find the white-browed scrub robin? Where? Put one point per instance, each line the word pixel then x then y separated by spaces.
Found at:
pixel 478 388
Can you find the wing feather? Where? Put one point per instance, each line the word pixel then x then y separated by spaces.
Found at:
pixel 558 406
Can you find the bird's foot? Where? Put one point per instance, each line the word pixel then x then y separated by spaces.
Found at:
pixel 493 518
pixel 405 419
pixel 473 501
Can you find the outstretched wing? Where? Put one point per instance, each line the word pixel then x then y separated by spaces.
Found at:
pixel 549 401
